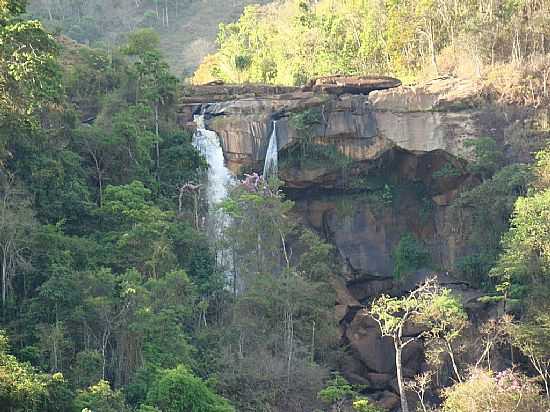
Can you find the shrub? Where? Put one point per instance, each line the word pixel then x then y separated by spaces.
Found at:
pixel 475 268
pixel 364 405
pixel 486 391
pixel 489 156
pixel 337 391
pixel 100 397
pixel 178 390
pixel 448 170
pixel 409 255
pixel 305 120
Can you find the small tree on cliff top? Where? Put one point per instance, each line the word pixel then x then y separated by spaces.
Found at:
pixel 427 306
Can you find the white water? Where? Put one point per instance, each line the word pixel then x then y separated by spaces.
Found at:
pixel 219 183
pixel 271 156
pixel 219 176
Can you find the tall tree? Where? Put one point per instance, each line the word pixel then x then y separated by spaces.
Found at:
pixel 16 224
pixel 428 306
pixel 29 74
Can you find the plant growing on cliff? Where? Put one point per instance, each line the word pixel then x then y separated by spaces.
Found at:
pixel 489 156
pixel 409 255
pixel 429 307
pixel 305 123
pixel 447 170
pixel 338 391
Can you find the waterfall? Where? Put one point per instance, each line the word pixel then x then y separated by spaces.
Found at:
pixel 219 176
pixel 271 156
pixel 219 182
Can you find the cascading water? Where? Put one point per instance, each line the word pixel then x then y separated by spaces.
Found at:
pixel 220 180
pixel 219 176
pixel 271 156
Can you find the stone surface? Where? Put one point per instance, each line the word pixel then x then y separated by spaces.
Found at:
pixel 435 116
pixel 353 84
pixel 379 380
pixel 387 400
pixel 374 351
pixel 366 288
pixel 443 94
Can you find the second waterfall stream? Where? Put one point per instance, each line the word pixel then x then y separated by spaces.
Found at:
pixel 271 156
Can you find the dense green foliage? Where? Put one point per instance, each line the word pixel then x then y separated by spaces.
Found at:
pixel 292 41
pixel 103 270
pixel 112 295
pixel 282 332
pixel 338 392
pixel 488 207
pixel 110 289
pixel 188 28
pixel 525 259
pixel 178 390
pixel 409 255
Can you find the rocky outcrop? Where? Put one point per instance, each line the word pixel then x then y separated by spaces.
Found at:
pixel 407 141
pixel 362 126
pixel 352 84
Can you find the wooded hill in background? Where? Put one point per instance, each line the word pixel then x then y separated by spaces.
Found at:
pixel 290 42
pixel 187 28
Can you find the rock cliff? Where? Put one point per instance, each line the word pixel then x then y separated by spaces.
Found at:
pixel 366 164
pixel 385 163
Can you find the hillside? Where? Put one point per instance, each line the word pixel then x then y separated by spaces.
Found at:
pixel 291 42
pixel 188 33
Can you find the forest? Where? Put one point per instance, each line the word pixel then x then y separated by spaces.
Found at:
pixel 292 42
pixel 186 37
pixel 113 294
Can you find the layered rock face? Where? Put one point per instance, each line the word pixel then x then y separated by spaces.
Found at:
pixel 363 126
pixel 368 169
pixel 404 143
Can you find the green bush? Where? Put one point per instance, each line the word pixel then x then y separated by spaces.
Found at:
pixel 337 392
pixel 448 170
pixel 100 397
pixel 489 156
pixel 364 405
pixel 305 120
pixel 409 255
pixel 475 268
pixel 178 390
pixel 311 155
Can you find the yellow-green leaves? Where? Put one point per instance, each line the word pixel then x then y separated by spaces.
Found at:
pixel 29 75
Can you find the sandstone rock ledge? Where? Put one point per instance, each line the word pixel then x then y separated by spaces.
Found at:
pixel 439 115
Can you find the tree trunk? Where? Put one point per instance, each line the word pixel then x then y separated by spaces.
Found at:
pixel 104 342
pixel 400 381
pixel 313 342
pixel 453 361
pixel 4 277
pixel 157 140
